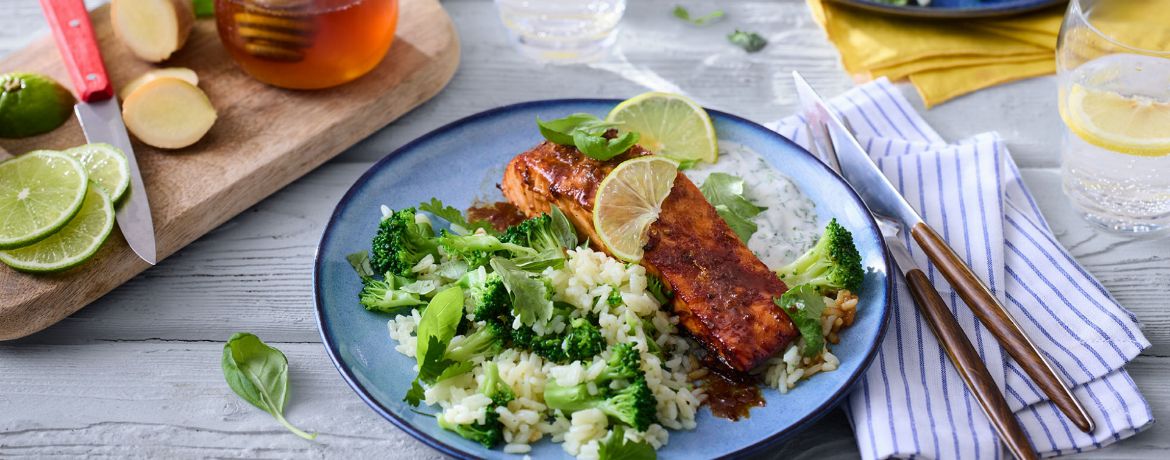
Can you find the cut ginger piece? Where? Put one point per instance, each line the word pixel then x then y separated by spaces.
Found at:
pixel 168 113
pixel 181 73
pixel 152 29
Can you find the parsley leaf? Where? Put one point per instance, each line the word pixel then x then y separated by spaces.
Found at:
pixel 726 193
pixel 616 447
pixel 531 300
pixel 459 225
pixel 804 305
pixel 586 132
pixel 749 41
pixel 682 13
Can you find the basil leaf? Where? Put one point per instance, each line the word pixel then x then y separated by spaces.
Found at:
pixel 361 263
pixel 560 130
pixel 437 325
pixel 620 144
pixel 259 374
pixel 749 41
pixel 682 13
pixel 530 297
pixel 726 193
pixel 804 305
pixel 563 229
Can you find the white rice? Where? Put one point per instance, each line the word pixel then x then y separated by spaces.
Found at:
pixel 586 282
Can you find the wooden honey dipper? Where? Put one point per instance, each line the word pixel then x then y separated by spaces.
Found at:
pixel 277 30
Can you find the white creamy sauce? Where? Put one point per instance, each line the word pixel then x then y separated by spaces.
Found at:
pixel 789 226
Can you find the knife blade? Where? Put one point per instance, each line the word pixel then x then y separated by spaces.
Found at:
pixel 98 112
pixel 884 201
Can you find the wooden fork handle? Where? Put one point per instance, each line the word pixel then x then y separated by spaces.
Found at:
pixel 1001 324
pixel 971 368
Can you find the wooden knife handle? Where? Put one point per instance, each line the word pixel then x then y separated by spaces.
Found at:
pixel 968 363
pixel 73 33
pixel 1001 324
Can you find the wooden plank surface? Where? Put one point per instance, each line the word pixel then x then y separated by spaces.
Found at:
pixel 264 138
pixel 136 373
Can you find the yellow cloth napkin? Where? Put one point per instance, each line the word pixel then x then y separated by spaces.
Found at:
pixel 943 59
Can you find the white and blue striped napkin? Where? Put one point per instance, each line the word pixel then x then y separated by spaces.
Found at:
pixel 911 402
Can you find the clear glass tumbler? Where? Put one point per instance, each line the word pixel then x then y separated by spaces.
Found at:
pixel 1113 66
pixel 562 31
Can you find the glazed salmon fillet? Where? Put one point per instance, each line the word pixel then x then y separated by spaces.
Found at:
pixel 722 292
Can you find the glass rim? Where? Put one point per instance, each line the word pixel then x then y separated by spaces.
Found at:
pixel 1080 12
pixel 313 7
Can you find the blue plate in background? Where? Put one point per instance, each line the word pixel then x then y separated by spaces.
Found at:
pixel 955 8
pixel 460 163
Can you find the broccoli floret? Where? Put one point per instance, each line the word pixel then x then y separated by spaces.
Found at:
pixel 536 233
pixel 384 296
pixel 633 405
pixel 491 431
pixel 485 342
pixel 831 265
pixel 615 298
pixel 477 249
pixel 582 340
pixel 488 294
pixel 624 363
pixel 401 242
pixel 660 292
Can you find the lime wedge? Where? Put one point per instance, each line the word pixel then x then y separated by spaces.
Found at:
pixel 670 125
pixel 39 192
pixel 32 104
pixel 74 244
pixel 628 202
pixel 106 166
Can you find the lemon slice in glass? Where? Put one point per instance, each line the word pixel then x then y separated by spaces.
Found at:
pixel 39 192
pixel 669 125
pixel 1133 125
pixel 74 244
pixel 106 166
pixel 629 200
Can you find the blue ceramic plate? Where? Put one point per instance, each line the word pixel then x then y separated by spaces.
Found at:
pixel 955 8
pixel 461 162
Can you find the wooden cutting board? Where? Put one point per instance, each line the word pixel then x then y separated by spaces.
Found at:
pixel 265 138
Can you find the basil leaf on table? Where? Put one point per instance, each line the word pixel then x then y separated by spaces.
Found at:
pixel 726 193
pixel 259 374
pixel 749 41
pixel 682 13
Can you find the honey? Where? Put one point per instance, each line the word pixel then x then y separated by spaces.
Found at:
pixel 306 44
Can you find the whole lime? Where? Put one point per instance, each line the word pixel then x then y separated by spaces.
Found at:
pixel 32 104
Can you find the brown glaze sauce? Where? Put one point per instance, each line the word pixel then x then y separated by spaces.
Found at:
pixel 731 395
pixel 500 214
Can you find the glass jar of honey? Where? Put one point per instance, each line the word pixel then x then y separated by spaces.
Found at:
pixel 306 44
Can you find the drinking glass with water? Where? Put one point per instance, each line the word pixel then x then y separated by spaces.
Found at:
pixel 1113 64
pixel 564 31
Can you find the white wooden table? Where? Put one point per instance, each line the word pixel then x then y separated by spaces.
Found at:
pixel 138 372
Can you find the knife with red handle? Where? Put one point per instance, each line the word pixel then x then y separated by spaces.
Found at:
pixel 98 112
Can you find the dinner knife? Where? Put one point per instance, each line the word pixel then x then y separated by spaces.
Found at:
pixel 98 112
pixel 884 200
pixel 934 311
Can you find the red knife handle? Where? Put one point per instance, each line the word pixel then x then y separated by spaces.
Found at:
pixel 73 32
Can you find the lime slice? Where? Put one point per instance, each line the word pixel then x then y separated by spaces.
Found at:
pixel 32 104
pixel 106 166
pixel 629 200
pixel 74 244
pixel 39 192
pixel 670 125
pixel 1133 125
